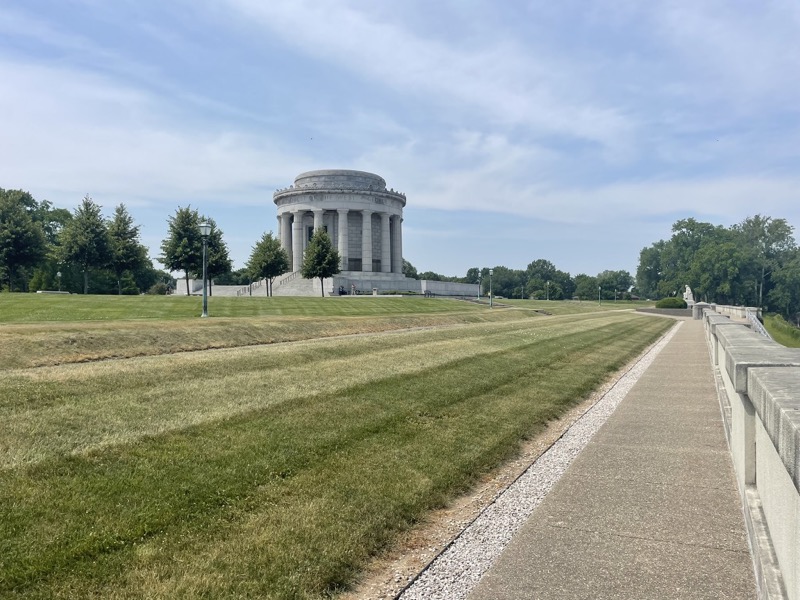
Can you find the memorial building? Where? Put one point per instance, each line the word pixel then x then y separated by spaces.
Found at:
pixel 362 218
pixel 364 221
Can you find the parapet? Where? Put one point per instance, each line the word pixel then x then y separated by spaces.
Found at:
pixel 339 180
pixel 760 397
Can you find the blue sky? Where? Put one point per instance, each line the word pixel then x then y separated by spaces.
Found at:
pixel 573 131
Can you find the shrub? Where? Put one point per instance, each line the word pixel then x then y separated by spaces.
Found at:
pixel 158 289
pixel 671 303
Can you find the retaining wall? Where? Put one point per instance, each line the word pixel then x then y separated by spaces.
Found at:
pixel 759 384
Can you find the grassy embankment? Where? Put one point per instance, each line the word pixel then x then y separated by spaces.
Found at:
pixel 782 331
pixel 275 470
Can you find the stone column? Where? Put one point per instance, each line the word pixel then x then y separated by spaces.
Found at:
pixel 286 233
pixel 386 244
pixel 366 240
pixel 397 245
pixel 297 241
pixel 343 238
pixel 318 224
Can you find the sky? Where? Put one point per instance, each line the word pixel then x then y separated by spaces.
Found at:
pixel 573 131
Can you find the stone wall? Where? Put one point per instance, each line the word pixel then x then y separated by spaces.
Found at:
pixel 759 384
pixel 389 282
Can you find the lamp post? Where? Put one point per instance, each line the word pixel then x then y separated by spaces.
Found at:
pixel 205 230
pixel 598 294
pixel 491 272
pixel 480 281
pixel 547 291
pixel 58 274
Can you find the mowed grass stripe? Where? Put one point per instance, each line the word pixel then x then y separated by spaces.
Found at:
pixel 31 308
pixel 33 345
pixel 290 500
pixel 72 409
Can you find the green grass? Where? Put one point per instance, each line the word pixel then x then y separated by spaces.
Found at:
pixel 782 331
pixel 33 308
pixel 574 307
pixel 273 471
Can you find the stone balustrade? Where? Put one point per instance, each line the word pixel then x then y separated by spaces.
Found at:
pixel 339 189
pixel 759 385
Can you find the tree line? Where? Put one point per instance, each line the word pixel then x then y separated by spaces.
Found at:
pixel 752 263
pixel 47 248
pixel 540 280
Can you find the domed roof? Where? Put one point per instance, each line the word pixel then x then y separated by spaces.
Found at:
pixel 340 178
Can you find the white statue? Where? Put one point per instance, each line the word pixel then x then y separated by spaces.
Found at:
pixel 688 296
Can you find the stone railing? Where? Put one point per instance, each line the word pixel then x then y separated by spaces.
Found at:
pixel 247 290
pixel 736 312
pixel 759 385
pixel 337 189
pixel 290 277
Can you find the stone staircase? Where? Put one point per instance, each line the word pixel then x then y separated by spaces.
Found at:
pixel 292 284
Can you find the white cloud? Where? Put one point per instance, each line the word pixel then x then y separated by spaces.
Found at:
pixel 70 132
pixel 502 79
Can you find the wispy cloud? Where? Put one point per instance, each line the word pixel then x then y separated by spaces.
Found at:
pixel 568 114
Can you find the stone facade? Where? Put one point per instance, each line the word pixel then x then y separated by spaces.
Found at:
pixel 363 219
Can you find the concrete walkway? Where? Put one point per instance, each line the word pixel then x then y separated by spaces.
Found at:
pixel 649 509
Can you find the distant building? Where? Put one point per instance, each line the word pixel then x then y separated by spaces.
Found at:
pixel 363 219
pixel 365 223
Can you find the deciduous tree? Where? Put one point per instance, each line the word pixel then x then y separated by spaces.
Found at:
pixel 769 241
pixel 268 260
pixel 182 249
pixel 320 259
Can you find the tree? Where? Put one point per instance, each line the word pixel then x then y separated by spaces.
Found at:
pixel 268 260
pixel 648 273
pixel 409 270
pixel 85 241
pixel 614 281
pixel 238 277
pixel 585 287
pixel 22 241
pixel 769 241
pixel 786 291
pixel 127 254
pixel 473 275
pixel 320 259
pixel 218 260
pixel 182 249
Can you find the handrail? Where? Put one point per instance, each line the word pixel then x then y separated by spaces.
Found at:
pixel 246 290
pixel 289 277
pixel 757 326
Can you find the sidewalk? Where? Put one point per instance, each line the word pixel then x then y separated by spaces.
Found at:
pixel 649 509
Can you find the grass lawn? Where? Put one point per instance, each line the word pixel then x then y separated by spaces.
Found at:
pixel 33 308
pixel 781 331
pixel 273 471
pixel 574 307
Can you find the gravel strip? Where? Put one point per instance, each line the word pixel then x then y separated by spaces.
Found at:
pixel 460 566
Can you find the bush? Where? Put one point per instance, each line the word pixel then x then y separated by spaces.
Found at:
pixel 158 289
pixel 671 303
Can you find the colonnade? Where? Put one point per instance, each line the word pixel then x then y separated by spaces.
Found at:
pixel 293 238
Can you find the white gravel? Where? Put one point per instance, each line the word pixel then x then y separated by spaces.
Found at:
pixel 459 568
